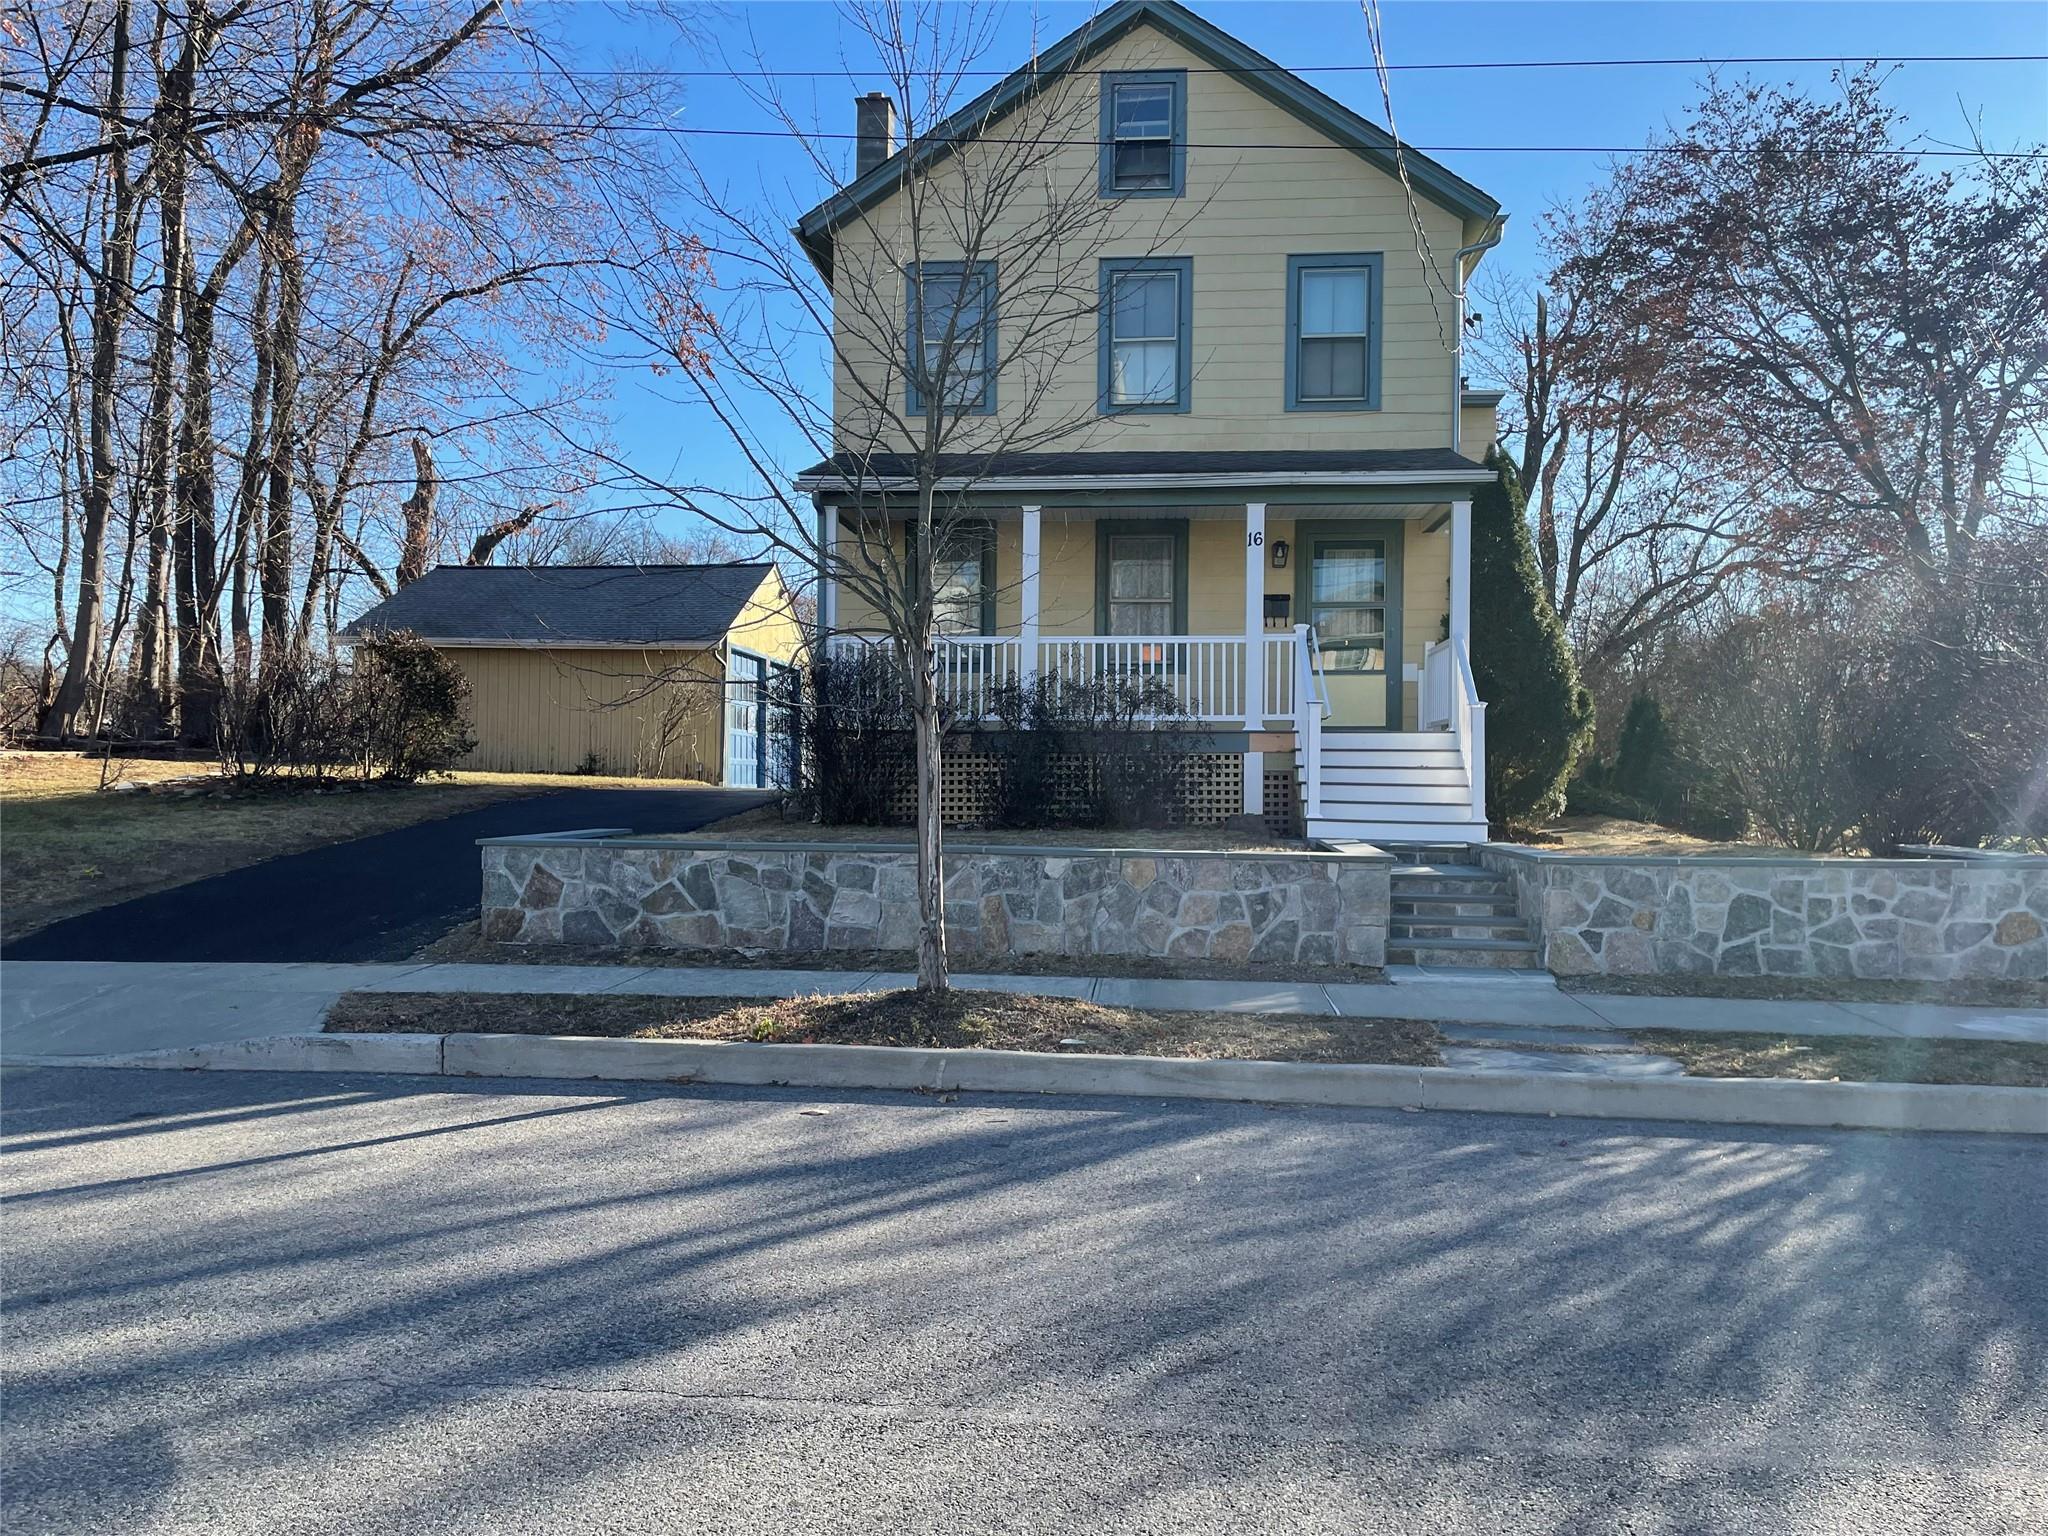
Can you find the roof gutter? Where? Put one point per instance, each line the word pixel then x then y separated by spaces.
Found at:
pixel 1192 482
pixel 558 643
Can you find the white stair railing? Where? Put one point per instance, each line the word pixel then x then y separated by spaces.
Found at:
pixel 1311 708
pixel 1469 723
pixel 1435 698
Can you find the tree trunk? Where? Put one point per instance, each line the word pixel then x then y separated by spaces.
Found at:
pixel 418 547
pixel 111 298
pixel 274 559
pixel 932 974
pixel 153 639
pixel 193 532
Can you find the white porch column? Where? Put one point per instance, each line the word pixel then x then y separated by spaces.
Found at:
pixel 1027 629
pixel 1461 575
pixel 1254 651
pixel 828 574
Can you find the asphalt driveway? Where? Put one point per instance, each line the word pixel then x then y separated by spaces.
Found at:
pixel 337 1305
pixel 376 898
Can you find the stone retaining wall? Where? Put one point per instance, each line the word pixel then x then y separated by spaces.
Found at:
pixel 1914 919
pixel 796 898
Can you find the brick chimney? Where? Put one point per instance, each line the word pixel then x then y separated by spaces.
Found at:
pixel 874 124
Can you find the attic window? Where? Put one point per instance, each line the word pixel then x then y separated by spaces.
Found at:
pixel 1144 134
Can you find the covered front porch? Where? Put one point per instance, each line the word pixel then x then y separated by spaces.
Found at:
pixel 1325 628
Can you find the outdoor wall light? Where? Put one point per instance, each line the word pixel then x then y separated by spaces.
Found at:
pixel 1279 554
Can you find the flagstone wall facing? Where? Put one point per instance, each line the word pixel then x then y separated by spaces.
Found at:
pixel 1926 919
pixel 793 898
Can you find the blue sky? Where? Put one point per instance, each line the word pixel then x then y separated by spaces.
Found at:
pixel 1619 107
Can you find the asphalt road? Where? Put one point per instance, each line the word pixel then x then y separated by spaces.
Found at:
pixel 243 1303
pixel 375 898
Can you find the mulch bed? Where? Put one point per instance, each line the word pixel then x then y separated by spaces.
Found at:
pixel 987 1021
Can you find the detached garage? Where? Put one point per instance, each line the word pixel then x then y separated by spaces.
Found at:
pixel 658 671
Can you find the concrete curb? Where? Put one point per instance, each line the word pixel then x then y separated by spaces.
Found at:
pixel 1726 1101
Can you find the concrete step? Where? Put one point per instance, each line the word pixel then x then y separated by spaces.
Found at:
pixel 1409 929
pixel 1433 908
pixel 1447 881
pixel 1510 954
pixel 1381 832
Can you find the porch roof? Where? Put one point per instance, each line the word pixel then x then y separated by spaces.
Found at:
pixel 1145 470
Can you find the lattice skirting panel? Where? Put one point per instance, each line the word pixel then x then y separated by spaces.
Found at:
pixel 1212 790
pixel 1283 804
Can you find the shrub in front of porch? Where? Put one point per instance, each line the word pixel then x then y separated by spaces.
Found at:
pixel 1538 716
pixel 1104 752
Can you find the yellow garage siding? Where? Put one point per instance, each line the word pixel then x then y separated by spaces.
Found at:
pixel 657 713
pixel 1282 189
pixel 769 624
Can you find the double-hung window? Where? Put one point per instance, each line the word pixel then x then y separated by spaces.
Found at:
pixel 1141 575
pixel 951 351
pixel 963 578
pixel 1333 306
pixel 1144 133
pixel 1147 318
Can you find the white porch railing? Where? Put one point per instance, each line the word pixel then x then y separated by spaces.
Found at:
pixel 1205 673
pixel 1448 700
pixel 1311 709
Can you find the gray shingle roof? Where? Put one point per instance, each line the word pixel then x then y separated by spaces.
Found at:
pixel 986 466
pixel 570 605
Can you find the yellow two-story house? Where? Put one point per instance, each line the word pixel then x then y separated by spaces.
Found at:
pixel 1175 340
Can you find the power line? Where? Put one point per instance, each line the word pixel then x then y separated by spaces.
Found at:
pixel 1299 69
pixel 675 131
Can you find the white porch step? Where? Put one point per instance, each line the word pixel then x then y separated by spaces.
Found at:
pixel 1337 738
pixel 1342 793
pixel 1382 832
pixel 1352 773
pixel 1394 762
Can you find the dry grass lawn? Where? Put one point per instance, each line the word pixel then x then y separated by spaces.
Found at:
pixel 987 1021
pixel 1616 835
pixel 1852 1058
pixel 66 847
pixel 1982 992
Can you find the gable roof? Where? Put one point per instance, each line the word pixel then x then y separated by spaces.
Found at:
pixel 1206 40
pixel 569 605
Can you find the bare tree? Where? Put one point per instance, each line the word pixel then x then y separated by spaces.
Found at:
pixel 994 224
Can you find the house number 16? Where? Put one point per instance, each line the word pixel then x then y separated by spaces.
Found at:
pixel 1254 539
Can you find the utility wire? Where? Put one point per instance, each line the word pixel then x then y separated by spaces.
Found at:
pixel 844 73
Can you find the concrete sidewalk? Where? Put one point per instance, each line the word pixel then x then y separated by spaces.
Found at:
pixel 87 1008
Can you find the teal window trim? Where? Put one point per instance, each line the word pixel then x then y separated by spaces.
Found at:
pixel 1175 528
pixel 959 536
pixel 1178 157
pixel 1374 265
pixel 1110 269
pixel 913 333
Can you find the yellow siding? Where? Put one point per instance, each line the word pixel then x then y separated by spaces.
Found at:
pixel 656 712
pixel 768 625
pixel 1477 425
pixel 1244 212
